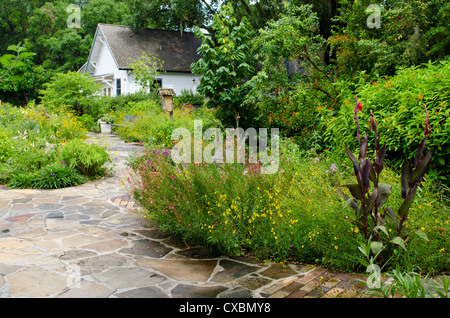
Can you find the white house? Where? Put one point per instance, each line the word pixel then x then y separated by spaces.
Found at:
pixel 115 47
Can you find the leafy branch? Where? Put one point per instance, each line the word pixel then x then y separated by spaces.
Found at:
pixel 10 61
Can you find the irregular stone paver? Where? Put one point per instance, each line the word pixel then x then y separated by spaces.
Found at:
pixel 86 241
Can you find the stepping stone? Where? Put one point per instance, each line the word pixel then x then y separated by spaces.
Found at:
pixel 189 291
pixel 277 271
pixel 76 254
pixel 77 217
pixel 21 200
pixel 55 215
pixel 87 289
pixel 146 247
pixel 20 218
pixel 254 282
pixel 232 270
pixel 123 277
pixel 237 292
pixel 145 292
pixel 198 253
pixel 90 222
pixel 181 269
pixel 49 206
pixel 101 263
pixel 155 234
pixel 106 245
pixel 36 283
pixel 71 197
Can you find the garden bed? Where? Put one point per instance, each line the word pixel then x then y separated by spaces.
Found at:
pixel 296 214
pixel 46 150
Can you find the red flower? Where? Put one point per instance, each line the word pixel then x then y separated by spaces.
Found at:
pixel 359 106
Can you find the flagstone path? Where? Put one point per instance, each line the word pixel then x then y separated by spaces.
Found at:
pixel 87 241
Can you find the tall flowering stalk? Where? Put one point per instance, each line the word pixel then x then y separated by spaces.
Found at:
pixel 369 205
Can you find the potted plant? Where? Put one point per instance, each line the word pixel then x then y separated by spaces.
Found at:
pixel 106 124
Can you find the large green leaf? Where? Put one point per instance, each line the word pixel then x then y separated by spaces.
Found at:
pixel 399 241
pixel 376 247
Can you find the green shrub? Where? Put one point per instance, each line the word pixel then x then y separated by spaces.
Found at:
pixel 188 97
pixel 88 159
pixel 87 121
pixel 156 128
pixel 53 176
pixel 397 103
pixel 128 101
pixel 73 92
pixel 5 145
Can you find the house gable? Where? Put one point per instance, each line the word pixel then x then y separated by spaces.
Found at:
pixel 101 60
pixel 115 47
pixel 177 51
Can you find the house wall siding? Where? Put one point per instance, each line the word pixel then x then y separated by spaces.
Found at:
pixel 180 81
pixel 105 62
pixel 174 80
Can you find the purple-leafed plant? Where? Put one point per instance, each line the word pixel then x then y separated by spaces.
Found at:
pixel 369 195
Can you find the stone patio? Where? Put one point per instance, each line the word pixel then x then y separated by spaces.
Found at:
pixel 88 241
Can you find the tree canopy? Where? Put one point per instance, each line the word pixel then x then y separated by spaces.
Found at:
pixel 411 32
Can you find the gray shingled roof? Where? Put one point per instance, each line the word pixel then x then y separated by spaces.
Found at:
pixel 177 51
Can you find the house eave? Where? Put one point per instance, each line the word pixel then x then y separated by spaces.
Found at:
pixel 159 71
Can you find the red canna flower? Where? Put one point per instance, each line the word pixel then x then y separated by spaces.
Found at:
pixel 359 106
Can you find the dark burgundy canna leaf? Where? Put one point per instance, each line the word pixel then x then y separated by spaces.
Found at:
pixel 404 207
pixel 419 153
pixel 372 200
pixel 355 190
pixel 354 161
pixel 404 179
pixel 420 170
pixel 365 175
pixel 390 214
pixel 384 191
pixel 380 159
pixel 363 148
pixel 373 176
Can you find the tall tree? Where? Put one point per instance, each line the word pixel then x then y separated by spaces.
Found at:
pixel 172 14
pixel 226 66
pixel 410 32
pixel 45 28
pixel 14 21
